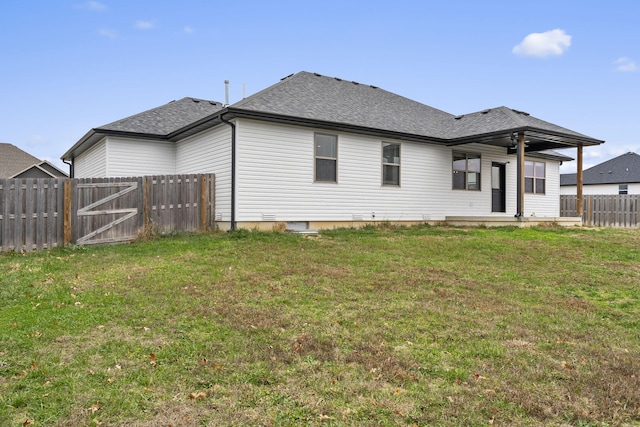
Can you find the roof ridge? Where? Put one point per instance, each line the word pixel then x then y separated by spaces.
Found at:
pixel 513 115
pixel 299 74
pixel 107 125
pixel 267 89
pixel 612 160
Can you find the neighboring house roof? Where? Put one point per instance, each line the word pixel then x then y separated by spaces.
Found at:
pixel 331 103
pixel 619 170
pixel 15 162
pixel 41 170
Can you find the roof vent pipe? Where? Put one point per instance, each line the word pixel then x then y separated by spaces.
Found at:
pixel 226 92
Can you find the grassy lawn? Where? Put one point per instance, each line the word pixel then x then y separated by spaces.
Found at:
pixel 392 327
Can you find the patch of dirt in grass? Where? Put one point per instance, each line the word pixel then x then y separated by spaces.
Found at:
pixel 245 317
pixel 306 345
pixel 382 364
pixel 68 346
pixel 180 414
pixel 167 413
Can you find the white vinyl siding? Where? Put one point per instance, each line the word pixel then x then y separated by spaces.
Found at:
pixel 92 163
pixel 276 180
pixel 209 152
pixel 547 204
pixel 140 157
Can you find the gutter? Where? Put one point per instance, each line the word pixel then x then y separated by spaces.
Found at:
pixel 70 167
pixel 233 170
pixel 527 130
pixel 334 126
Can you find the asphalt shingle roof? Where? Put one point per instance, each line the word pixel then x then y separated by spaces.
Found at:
pixel 316 97
pixel 501 119
pixel 165 119
pixel 14 160
pixel 619 170
pixel 328 101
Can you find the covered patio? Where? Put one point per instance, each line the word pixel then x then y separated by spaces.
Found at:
pixel 520 134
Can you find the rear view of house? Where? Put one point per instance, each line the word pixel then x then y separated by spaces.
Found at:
pixel 315 152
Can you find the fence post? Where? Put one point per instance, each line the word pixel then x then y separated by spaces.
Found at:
pixel 146 200
pixel 67 211
pixel 203 203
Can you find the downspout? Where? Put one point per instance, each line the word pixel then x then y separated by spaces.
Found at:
pixel 71 171
pixel 233 171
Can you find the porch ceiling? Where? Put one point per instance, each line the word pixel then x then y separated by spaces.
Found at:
pixel 535 140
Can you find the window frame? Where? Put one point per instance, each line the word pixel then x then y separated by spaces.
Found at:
pixel 316 157
pixel 467 156
pixel 535 178
pixel 623 189
pixel 386 164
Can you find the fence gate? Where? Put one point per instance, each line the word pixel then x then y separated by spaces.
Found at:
pixel 107 210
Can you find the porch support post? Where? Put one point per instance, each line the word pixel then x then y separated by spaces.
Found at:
pixel 520 171
pixel 579 181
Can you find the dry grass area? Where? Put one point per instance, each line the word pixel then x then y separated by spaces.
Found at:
pixel 414 326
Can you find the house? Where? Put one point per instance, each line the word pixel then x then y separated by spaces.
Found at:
pixel 620 175
pixel 314 151
pixel 16 163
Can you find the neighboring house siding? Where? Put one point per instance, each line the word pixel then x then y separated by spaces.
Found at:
pixel 139 157
pixel 33 172
pixel 93 162
pixel 633 188
pixel 209 152
pixel 276 180
pixel 52 170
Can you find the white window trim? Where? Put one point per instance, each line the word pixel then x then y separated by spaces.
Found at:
pixel 534 177
pixel 315 158
pixel 391 164
pixel 466 171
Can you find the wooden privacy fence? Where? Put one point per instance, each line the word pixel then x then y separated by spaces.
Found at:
pixel 44 213
pixel 603 210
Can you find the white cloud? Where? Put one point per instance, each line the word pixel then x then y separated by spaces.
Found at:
pixel 187 29
pixel 144 25
pixel 539 45
pixel 93 5
pixel 626 65
pixel 108 33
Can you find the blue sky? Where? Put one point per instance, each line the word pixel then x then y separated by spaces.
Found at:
pixel 67 66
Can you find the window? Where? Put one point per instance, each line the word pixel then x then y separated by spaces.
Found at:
pixel 534 177
pixel 390 164
pixel 466 171
pixel 623 189
pixel 326 157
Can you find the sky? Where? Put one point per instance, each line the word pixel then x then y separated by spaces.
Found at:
pixel 67 66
